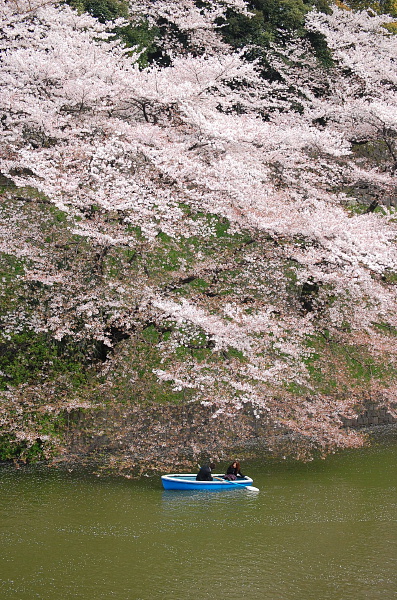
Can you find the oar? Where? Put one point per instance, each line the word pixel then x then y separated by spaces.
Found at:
pixel 249 488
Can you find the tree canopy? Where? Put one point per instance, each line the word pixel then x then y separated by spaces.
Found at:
pixel 228 206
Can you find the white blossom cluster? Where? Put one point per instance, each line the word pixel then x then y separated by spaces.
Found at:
pixel 121 149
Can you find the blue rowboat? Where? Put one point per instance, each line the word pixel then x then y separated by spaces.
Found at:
pixel 186 481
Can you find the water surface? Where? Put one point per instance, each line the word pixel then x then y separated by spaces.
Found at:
pixel 325 530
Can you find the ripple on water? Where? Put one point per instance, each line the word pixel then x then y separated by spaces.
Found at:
pixel 324 531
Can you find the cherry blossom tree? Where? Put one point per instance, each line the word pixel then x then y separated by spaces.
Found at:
pixel 198 26
pixel 150 168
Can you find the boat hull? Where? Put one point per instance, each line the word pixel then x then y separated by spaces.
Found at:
pixel 187 481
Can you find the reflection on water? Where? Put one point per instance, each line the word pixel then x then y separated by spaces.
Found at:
pixel 321 531
pixel 197 498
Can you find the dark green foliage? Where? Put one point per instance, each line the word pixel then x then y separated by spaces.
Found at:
pixel 10 267
pixel 389 277
pixel 320 48
pixel 151 335
pixel 308 295
pixel 10 448
pixel 335 366
pixel 139 384
pixel 6 183
pixel 386 328
pixel 275 21
pixel 144 38
pixel 241 31
pixel 270 21
pixel 133 35
pixel 103 10
pixel 19 449
pixel 288 15
pixel 380 151
pixel 28 357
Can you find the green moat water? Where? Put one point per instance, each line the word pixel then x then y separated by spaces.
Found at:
pixel 325 530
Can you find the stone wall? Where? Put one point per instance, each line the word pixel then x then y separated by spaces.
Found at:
pixel 131 440
pixel 159 437
pixel 373 414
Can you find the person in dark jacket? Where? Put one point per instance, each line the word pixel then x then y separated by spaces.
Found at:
pixel 233 471
pixel 205 472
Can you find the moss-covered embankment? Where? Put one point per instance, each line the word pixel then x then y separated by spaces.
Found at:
pixel 131 440
pixel 137 439
pixel 92 370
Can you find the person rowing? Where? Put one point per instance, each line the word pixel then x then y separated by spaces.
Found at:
pixel 205 473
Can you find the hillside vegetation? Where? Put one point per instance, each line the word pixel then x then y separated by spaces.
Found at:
pixel 197 206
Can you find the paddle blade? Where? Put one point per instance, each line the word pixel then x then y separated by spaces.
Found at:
pixel 251 488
